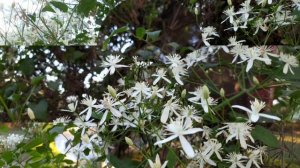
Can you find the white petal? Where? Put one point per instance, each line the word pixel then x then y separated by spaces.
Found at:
pixel 115 112
pixel 166 140
pixel 270 116
pixel 104 73
pixel 178 80
pixel 157 159
pixel 166 79
pixel 155 81
pixel 242 108
pixel 249 65
pixel 165 164
pixel 204 106
pixel 112 70
pixel 243 142
pixel 151 163
pixel 192 131
pixel 187 147
pixel 254 117
pixel 103 118
pixel 165 115
pixel 88 114
pixel 285 68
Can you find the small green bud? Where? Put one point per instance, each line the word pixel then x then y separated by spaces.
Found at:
pixel 205 91
pixel 112 91
pixel 129 141
pixel 229 2
pixel 255 80
pixel 30 114
pixel 222 92
pixel 183 93
pixel 196 9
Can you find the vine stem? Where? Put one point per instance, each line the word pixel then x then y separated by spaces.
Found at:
pixel 6 108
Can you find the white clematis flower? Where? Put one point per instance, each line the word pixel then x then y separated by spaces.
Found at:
pixel 111 62
pixel 290 61
pixel 157 163
pixel 179 128
pixel 256 107
pixel 160 74
pixel 90 103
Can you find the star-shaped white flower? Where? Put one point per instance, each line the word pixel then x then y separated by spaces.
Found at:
pixel 157 163
pixel 90 103
pixel 179 128
pixel 239 131
pixel 290 61
pixel 202 94
pixel 160 74
pixel 236 160
pixel 256 107
pixel 111 61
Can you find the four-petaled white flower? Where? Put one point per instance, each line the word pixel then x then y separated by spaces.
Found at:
pixel 290 61
pixel 256 107
pixel 236 160
pixel 108 104
pixel 141 89
pixel 202 94
pixel 80 123
pixel 212 146
pixel 239 131
pixel 160 74
pixel 111 61
pixel 179 128
pixel 90 103
pixel 252 54
pixel 157 163
pixel 230 14
pixel 253 158
pixel 170 107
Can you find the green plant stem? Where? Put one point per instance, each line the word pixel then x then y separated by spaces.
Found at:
pixel 6 108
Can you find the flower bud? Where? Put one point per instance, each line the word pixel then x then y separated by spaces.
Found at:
pixel 85 138
pixel 205 91
pixel 255 80
pixel 129 141
pixel 222 92
pixel 183 93
pixel 112 91
pixel 229 2
pixel 196 9
pixel 30 114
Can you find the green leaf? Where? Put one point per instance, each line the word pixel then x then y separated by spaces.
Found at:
pixel 153 36
pixel 48 8
pixel 7 156
pixel 33 143
pixel 174 45
pixel 140 33
pixel 85 6
pixel 26 66
pixel 4 129
pixel 57 129
pixel 124 163
pixel 266 136
pixel 60 5
pixel 171 157
pixel 37 80
pixel 40 110
pixel 53 85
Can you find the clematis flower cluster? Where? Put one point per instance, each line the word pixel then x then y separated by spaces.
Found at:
pixel 169 117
